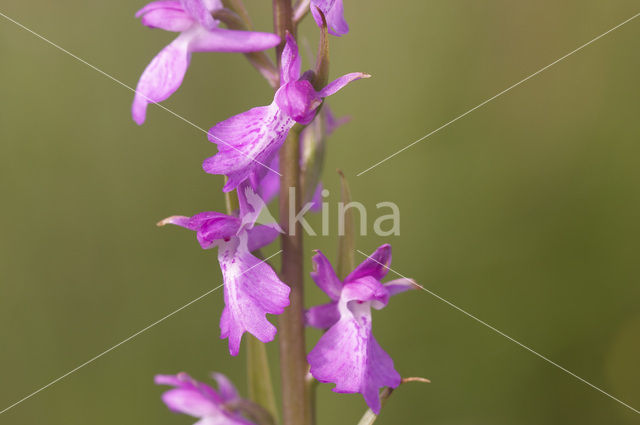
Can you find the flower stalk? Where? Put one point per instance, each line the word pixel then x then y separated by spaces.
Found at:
pixel 293 363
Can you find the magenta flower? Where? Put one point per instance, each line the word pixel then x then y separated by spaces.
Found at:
pixel 199 32
pixel 269 185
pixel 334 14
pixel 201 401
pixel 248 142
pixel 347 354
pixel 251 287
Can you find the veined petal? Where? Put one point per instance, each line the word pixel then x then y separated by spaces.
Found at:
pixel 337 84
pixel 251 290
pixel 349 356
pixel 224 40
pixel 333 11
pixel 290 62
pixel 166 15
pixel 325 277
pixel 199 12
pixel 246 143
pixel 376 265
pixel 162 77
pixel 322 316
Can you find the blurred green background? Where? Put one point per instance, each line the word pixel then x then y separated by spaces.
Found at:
pixel 525 213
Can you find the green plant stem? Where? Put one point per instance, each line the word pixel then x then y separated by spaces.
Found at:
pixel 238 7
pixel 293 363
pixel 259 376
pixel 260 61
pixel 282 23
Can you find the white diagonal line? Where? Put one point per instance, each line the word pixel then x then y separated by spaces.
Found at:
pixel 499 94
pixel 109 76
pixel 482 322
pixel 130 337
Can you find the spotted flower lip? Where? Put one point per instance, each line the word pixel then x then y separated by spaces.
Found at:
pixel 248 141
pixel 199 32
pixel 333 11
pixel 200 400
pixel 251 288
pixel 348 355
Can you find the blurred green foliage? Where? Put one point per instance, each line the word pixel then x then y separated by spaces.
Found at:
pixel 525 213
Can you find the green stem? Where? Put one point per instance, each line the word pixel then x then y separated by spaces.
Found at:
pixel 293 363
pixel 259 376
pixel 232 17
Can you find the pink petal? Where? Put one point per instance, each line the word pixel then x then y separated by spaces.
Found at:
pixel 224 40
pixel 162 77
pixel 166 15
pixel 298 100
pixel 268 185
pixel 190 402
pixel 247 143
pixel 365 288
pixel 322 316
pixel 333 11
pixel 226 389
pixel 316 200
pixel 376 265
pixel 198 11
pixel 400 285
pixel 290 62
pixel 337 84
pixel 157 5
pixel 324 276
pixel 251 290
pixel 349 356
pixel 261 236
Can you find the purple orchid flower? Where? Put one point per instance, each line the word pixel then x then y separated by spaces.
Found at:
pixel 248 142
pixel 347 354
pixel 333 11
pixel 199 400
pixel 251 287
pixel 269 185
pixel 199 32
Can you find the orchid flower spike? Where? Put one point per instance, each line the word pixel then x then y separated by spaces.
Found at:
pixel 333 11
pixel 251 287
pixel 200 400
pixel 248 142
pixel 347 354
pixel 199 32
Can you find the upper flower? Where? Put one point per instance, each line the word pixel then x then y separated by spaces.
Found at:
pixel 199 400
pixel 248 142
pixel 334 14
pixel 199 32
pixel 347 354
pixel 251 287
